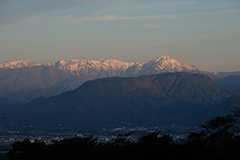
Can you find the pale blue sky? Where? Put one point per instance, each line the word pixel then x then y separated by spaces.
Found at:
pixel 204 33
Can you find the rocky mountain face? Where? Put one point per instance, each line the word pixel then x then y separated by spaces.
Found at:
pixel 166 98
pixel 24 80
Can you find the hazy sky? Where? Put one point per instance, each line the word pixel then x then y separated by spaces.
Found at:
pixel 204 33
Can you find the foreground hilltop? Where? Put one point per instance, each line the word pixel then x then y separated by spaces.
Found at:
pixel 24 80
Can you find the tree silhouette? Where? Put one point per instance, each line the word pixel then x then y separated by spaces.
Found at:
pixel 27 150
pixel 123 139
pixel 154 139
pixel 219 138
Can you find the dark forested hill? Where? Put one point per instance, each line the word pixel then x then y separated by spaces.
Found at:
pixel 146 100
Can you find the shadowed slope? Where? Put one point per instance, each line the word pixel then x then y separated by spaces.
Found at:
pixel 155 99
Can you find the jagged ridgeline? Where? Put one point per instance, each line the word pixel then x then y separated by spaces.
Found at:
pixel 24 80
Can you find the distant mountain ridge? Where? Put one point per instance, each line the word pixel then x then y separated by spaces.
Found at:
pixel 77 66
pixel 230 82
pixel 18 64
pixel 24 80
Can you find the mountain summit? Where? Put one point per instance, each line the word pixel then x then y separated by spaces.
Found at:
pixel 18 64
pixel 159 65
pixel 24 80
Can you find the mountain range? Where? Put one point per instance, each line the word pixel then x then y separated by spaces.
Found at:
pixel 161 99
pixel 25 80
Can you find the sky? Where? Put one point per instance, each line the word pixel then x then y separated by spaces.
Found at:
pixel 204 33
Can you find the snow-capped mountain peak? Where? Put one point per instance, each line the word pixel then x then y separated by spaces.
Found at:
pixel 82 66
pixel 112 67
pixel 75 66
pixel 18 64
pixel 165 60
pixel 161 64
pixel 116 64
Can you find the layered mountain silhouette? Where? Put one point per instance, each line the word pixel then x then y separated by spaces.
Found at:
pixel 24 80
pixel 230 82
pixel 165 98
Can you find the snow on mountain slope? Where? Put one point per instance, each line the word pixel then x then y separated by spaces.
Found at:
pixel 113 67
pixel 166 63
pixel 77 66
pixel 116 64
pixel 18 64
pixel 27 80
pixel 159 65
